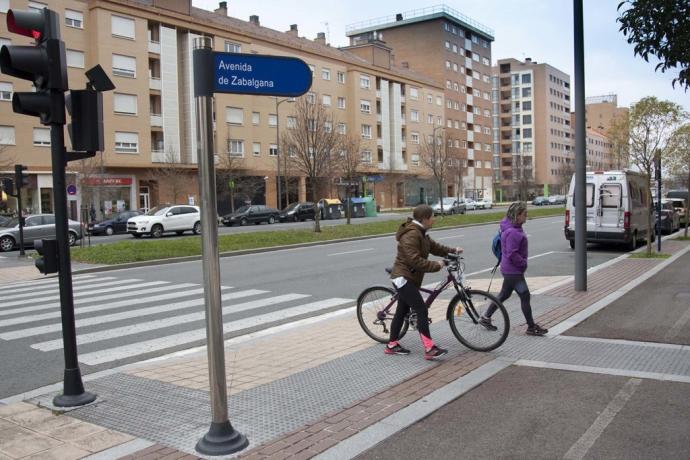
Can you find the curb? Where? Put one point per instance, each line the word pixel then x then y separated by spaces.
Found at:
pixel 105 268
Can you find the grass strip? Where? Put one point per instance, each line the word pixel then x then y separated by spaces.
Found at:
pixel 653 255
pixel 127 251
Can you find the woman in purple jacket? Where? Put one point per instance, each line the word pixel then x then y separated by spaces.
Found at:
pixel 513 266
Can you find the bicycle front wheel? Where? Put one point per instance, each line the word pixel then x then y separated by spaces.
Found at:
pixel 464 313
pixel 375 309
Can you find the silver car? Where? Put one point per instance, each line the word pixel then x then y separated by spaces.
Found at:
pixel 36 227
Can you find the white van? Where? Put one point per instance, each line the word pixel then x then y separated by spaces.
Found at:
pixel 616 208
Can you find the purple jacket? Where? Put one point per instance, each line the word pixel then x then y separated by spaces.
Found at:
pixel 513 248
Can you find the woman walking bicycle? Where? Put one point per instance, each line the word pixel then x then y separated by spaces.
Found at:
pixel 514 265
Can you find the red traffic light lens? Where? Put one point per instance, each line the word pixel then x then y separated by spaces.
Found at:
pixel 12 26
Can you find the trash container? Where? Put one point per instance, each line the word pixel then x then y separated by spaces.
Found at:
pixel 330 208
pixel 356 206
pixel 369 206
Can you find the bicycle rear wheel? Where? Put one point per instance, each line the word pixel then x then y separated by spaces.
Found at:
pixel 375 309
pixel 463 316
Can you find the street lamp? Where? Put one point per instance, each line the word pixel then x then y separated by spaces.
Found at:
pixel 438 167
pixel 278 102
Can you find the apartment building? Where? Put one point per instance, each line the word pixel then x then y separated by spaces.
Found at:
pixel 602 111
pixel 455 51
pixel 533 143
pixel 150 156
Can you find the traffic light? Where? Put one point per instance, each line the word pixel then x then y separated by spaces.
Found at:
pixel 85 107
pixel 21 180
pixel 48 262
pixel 7 186
pixel 43 64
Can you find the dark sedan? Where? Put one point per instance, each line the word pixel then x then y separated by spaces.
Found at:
pixel 116 224
pixel 251 214
pixel 297 212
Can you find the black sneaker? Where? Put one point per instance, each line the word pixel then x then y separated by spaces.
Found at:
pixel 536 330
pixel 486 322
pixel 434 352
pixel 396 350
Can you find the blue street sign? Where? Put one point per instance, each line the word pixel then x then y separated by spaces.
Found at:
pixel 261 75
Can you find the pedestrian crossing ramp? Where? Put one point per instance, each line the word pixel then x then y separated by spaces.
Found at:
pixel 123 319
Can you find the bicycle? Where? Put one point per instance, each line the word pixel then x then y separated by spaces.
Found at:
pixel 376 308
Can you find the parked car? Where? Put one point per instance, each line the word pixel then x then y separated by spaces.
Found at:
pixel 256 214
pixel 36 227
pixel 484 203
pixel 450 206
pixel 297 212
pixel 116 224
pixel 679 206
pixel 4 220
pixel 670 220
pixel 540 201
pixel 557 199
pixel 470 204
pixel 164 219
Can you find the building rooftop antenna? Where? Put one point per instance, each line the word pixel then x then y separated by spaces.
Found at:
pixel 328 32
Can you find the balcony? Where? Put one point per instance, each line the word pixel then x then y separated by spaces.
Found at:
pixel 155 83
pixel 154 47
pixel 156 120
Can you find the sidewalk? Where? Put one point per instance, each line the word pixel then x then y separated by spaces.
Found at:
pixel 321 387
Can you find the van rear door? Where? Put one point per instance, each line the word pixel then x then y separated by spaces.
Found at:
pixel 610 212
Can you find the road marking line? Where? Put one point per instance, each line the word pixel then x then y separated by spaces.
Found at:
pixel 587 440
pixel 678 325
pixel 32 284
pixel 140 348
pixel 148 326
pixel 75 283
pixel 350 252
pixel 76 288
pixel 80 294
pixel 107 306
pixel 102 319
pixel 449 237
pixel 489 269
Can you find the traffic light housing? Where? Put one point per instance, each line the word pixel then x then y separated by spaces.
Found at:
pixel 48 250
pixel 85 107
pixel 21 180
pixel 43 64
pixel 7 186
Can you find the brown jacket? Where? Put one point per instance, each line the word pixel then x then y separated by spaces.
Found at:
pixel 414 246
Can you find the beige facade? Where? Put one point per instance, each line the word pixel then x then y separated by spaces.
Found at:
pixel 532 130
pixel 454 51
pixel 146 48
pixel 602 111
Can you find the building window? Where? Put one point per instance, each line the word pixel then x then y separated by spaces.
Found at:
pixel 311 98
pixel 439 100
pixel 414 137
pixel 342 128
pixel 124 66
pixel 366 131
pixel 366 157
pixel 414 93
pixel 365 106
pixel 526 78
pixel 527 92
pixel 122 27
pixel 328 126
pixel 272 120
pixel 311 125
pixel 256 149
pixel 125 103
pixel 75 59
pixel 126 142
pixel 527 105
pixel 38 6
pixel 256 118
pixel 447 45
pixel 448 65
pixel 273 150
pixel 235 147
pixel 7 135
pixel 527 119
pixel 231 47
pixel 291 122
pixel 234 115
pixel 326 99
pixel 415 159
pixel 430 98
pixel 341 77
pixel 4 6
pixel 485 61
pixel 341 102
pixel 430 119
pixel 6 90
pixel 326 74
pixel 527 133
pixel 364 82
pixel 414 115
pixel 74 19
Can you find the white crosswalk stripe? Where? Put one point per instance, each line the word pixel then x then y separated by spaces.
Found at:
pixel 28 285
pixel 124 318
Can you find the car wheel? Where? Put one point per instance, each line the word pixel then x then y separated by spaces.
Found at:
pixel 243 221
pixel 71 238
pixel 197 228
pixel 633 242
pixel 109 231
pixel 6 243
pixel 296 219
pixel 452 212
pixel 157 231
pixel 271 220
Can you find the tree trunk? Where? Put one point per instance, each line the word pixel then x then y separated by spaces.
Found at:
pixel 687 207
pixel 317 214
pixel 348 208
pixel 440 195
pixel 232 199
pixel 650 216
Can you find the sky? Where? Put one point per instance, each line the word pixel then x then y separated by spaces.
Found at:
pixel 538 29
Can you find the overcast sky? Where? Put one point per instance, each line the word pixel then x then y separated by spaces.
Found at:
pixel 539 29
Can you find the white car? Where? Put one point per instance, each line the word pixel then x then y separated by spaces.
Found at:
pixel 163 219
pixel 484 203
pixel 470 204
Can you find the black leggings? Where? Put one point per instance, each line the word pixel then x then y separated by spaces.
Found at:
pixel 518 284
pixel 409 297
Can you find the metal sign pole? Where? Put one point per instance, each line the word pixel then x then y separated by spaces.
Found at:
pixel 222 438
pixel 580 152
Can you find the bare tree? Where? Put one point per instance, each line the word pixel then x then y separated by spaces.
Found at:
pixel 619 135
pixel 312 142
pixel 456 167
pixel 566 174
pixel 6 158
pixel 523 179
pixel 229 171
pixel 679 162
pixel 348 163
pixel 652 124
pixel 172 175
pixel 436 156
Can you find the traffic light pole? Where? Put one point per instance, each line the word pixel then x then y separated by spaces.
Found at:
pixel 18 188
pixel 73 392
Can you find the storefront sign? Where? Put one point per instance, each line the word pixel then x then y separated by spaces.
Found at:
pixel 108 181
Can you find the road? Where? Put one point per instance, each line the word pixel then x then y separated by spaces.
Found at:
pixel 128 315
